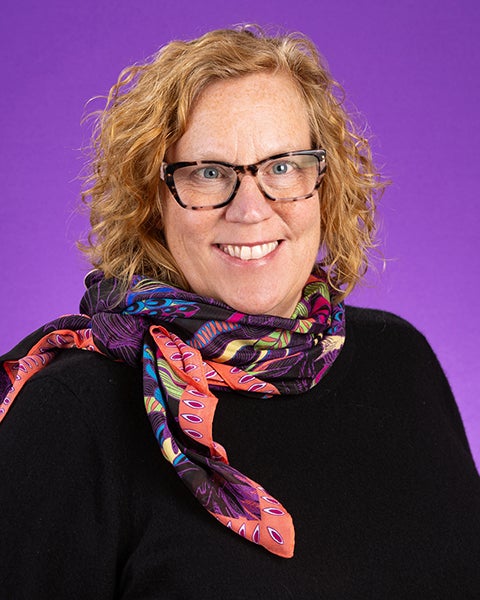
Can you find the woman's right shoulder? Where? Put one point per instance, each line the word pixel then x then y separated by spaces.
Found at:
pixel 84 374
pixel 78 390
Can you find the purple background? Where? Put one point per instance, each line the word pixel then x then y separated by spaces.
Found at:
pixel 411 68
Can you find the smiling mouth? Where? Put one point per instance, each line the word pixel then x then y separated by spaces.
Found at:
pixel 248 252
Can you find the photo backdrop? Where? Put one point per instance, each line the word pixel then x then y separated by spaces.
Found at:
pixel 410 68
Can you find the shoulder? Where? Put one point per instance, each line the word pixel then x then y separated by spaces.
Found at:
pixel 384 338
pixel 81 369
pixel 380 331
pixel 76 400
pixel 78 424
pixel 86 376
pixel 390 353
pixel 378 321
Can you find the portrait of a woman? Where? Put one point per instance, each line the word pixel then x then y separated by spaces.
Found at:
pixel 217 421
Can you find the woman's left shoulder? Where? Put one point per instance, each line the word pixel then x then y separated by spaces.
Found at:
pixel 384 341
pixel 379 321
pixel 389 335
pixel 391 354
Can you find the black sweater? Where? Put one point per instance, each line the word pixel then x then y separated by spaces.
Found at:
pixel 373 464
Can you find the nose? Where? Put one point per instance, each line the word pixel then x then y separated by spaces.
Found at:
pixel 249 204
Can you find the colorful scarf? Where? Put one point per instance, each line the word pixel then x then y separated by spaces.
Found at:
pixel 191 346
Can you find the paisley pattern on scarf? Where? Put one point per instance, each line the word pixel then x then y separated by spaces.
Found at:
pixel 189 347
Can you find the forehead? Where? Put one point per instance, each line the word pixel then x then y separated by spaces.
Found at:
pixel 259 114
pixel 256 89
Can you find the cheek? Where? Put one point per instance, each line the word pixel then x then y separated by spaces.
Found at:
pixel 310 239
pixel 186 233
pixel 307 223
pixel 176 230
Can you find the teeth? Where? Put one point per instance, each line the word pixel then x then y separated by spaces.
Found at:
pixel 249 252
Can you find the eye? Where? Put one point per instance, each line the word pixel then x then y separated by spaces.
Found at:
pixel 281 168
pixel 209 172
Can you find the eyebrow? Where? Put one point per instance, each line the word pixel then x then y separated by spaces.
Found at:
pixel 208 157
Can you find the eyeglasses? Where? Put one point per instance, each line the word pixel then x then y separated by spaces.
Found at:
pixel 206 184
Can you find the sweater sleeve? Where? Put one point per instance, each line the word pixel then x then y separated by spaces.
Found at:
pixel 60 517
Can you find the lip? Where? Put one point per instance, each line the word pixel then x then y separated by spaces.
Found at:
pixel 248 253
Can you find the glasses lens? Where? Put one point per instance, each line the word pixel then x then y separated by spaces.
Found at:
pixel 204 184
pixel 289 177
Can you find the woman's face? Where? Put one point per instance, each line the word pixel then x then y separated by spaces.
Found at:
pixel 243 121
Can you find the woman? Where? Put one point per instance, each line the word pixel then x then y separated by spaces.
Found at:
pixel 222 169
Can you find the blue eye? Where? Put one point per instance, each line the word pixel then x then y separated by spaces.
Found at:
pixel 281 168
pixel 210 173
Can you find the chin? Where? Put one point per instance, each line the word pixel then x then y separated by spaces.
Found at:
pixel 273 307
